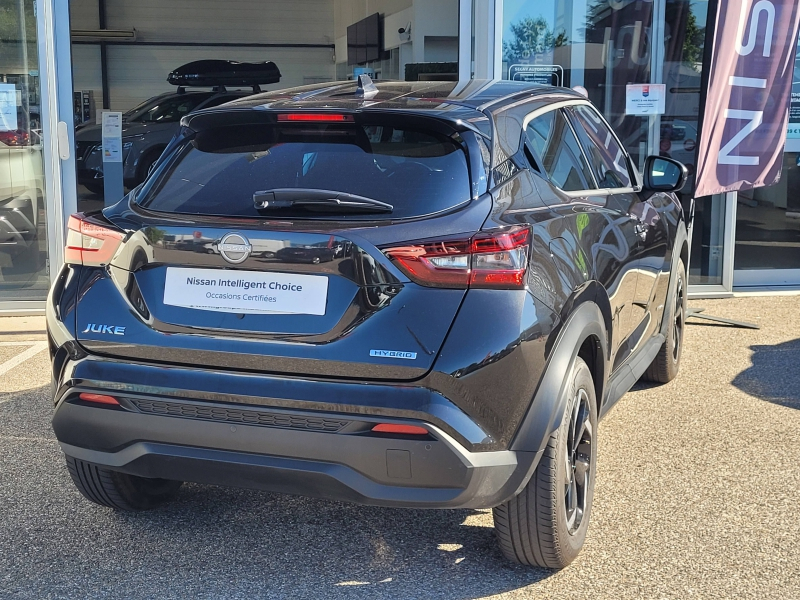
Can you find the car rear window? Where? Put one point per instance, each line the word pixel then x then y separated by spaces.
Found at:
pixel 217 171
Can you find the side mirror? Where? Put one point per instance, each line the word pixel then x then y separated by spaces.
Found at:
pixel 663 174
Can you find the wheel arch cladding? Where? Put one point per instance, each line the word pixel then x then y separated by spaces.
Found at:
pixel 591 352
pixel 584 334
pixel 685 254
pixel 682 242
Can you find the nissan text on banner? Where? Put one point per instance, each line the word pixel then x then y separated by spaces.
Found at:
pixel 744 128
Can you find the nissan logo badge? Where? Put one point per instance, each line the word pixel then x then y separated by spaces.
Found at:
pixel 235 248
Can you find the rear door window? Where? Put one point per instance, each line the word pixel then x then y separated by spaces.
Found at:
pixel 557 151
pixel 217 171
pixel 606 157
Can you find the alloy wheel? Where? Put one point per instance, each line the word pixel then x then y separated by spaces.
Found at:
pixel 578 460
pixel 677 326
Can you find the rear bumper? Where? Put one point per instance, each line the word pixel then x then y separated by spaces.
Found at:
pixel 288 435
pixel 349 465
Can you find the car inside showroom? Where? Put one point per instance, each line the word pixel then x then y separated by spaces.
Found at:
pixel 117 58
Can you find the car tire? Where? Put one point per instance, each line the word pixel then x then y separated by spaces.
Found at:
pixel 545 524
pixel 119 491
pixel 667 362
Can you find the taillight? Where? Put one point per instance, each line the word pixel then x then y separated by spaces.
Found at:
pixel 90 244
pixel 15 138
pixel 495 259
pixel 315 118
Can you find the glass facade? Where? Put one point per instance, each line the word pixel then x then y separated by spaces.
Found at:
pixel 768 223
pixel 768 219
pixel 607 45
pixel 747 239
pixel 23 231
pixel 706 260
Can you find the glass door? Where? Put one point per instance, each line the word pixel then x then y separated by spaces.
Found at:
pixel 711 252
pixel 24 195
pixel 36 139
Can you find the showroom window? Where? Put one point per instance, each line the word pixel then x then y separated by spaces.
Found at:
pixel 768 219
pixel 23 228
pixel 605 46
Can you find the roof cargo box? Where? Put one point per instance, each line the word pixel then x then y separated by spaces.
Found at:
pixel 204 73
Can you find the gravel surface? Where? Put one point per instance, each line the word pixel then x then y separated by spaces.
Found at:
pixel 696 497
pixel 9 352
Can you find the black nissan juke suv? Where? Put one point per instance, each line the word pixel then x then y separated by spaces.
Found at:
pixel 400 294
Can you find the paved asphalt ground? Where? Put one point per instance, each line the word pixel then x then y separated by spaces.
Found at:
pixel 697 497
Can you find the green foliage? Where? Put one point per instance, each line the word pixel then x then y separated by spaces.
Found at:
pixel 10 21
pixel 694 41
pixel 531 36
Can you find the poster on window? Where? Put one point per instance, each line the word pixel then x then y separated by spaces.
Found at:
pixel 748 100
pixel 542 74
pixel 8 107
pixel 793 131
pixel 645 99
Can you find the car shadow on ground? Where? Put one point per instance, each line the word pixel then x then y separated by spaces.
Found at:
pixel 773 375
pixel 335 549
pixel 216 542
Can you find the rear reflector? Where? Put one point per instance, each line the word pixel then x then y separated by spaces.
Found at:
pixel 90 244
pixel 99 399
pixel 315 118
pixel 493 259
pixel 401 429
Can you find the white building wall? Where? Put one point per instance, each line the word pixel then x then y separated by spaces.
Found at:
pixel 436 20
pixel 138 73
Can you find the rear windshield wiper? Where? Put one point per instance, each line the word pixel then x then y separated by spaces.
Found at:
pixel 325 199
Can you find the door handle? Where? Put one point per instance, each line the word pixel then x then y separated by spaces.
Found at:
pixel 64 150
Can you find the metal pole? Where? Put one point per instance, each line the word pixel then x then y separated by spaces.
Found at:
pixel 24 79
pixel 101 7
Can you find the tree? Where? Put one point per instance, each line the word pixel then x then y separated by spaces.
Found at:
pixel 693 42
pixel 531 36
pixel 10 19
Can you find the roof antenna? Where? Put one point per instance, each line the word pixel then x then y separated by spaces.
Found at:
pixel 366 88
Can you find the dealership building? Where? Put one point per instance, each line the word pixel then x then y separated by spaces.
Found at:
pixel 64 63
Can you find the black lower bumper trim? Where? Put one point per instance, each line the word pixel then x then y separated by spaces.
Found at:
pixel 436 472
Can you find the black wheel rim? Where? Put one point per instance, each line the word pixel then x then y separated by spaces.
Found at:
pixel 677 326
pixel 578 459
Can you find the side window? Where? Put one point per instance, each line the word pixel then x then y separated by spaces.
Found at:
pixel 605 155
pixel 557 151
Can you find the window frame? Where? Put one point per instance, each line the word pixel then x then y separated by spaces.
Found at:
pixel 581 149
pixel 598 191
pixel 632 173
